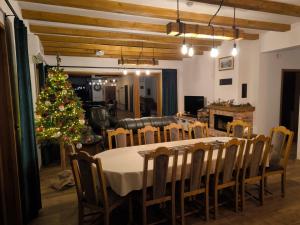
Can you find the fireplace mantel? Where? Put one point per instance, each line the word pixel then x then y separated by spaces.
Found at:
pixel 244 113
pixel 232 108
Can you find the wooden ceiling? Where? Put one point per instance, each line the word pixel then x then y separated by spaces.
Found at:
pixel 82 35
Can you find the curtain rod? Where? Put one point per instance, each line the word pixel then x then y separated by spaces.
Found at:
pixel 11 8
pixel 107 67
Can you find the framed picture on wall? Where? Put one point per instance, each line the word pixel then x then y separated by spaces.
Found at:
pixel 226 63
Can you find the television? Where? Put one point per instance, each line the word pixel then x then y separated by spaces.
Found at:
pixel 192 104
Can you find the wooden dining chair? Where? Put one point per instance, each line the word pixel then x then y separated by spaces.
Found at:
pixel 92 191
pixel 281 144
pixel 174 131
pixel 195 177
pixel 227 170
pixel 239 129
pixel 198 130
pixel 148 135
pixel 254 166
pixel 121 138
pixel 158 193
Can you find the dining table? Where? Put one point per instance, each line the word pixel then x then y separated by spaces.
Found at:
pixel 123 167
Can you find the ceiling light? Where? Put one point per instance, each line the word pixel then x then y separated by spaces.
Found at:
pixel 147 72
pixel 99 53
pixel 184 49
pixel 125 72
pixel 134 62
pixel 214 52
pixel 234 51
pixel 191 51
pixel 138 72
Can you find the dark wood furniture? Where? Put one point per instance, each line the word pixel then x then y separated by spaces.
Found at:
pixel 227 170
pixel 92 191
pixel 254 166
pixel 147 134
pixel 198 181
pixel 158 193
pixel 281 144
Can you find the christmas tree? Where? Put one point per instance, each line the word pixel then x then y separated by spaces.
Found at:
pixel 59 113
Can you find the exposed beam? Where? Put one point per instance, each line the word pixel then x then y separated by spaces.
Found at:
pixel 113 52
pixel 81 54
pixel 170 14
pixel 91 21
pixel 102 22
pixel 86 40
pixel 260 5
pixel 114 48
pixel 118 35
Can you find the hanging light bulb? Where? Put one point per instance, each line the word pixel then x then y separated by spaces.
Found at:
pixel 184 49
pixel 234 51
pixel 125 72
pixel 214 52
pixel 138 72
pixel 147 72
pixel 191 51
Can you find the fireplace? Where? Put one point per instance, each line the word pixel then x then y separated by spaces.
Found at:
pixel 220 122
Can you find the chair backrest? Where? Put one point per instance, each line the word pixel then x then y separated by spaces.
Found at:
pixel 148 134
pixel 201 157
pixel 89 179
pixel 174 131
pixel 160 159
pixel 281 144
pixel 229 162
pixel 238 129
pixel 198 130
pixel 256 156
pixel 120 136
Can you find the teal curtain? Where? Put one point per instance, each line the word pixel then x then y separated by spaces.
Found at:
pixel 28 165
pixel 169 86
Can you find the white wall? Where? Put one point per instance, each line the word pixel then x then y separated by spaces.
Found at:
pixel 198 77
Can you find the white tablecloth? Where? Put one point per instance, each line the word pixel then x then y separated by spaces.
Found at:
pixel 123 167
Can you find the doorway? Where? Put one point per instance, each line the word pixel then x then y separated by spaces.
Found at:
pixel 290 93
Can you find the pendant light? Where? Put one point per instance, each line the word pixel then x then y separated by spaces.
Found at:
pixel 125 72
pixel 147 72
pixel 234 50
pixel 214 52
pixel 191 52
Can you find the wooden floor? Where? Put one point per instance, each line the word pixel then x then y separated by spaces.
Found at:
pixel 60 208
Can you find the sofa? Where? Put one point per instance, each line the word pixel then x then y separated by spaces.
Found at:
pixel 135 124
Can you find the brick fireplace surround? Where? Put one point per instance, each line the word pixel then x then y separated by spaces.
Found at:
pixel 236 112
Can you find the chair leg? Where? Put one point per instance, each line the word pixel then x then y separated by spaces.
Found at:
pixel 283 183
pixel 130 211
pixel 216 203
pixel 144 215
pixel 106 217
pixel 80 214
pixel 262 194
pixel 207 206
pixel 243 196
pixel 182 211
pixel 266 184
pixel 173 212
pixel 236 189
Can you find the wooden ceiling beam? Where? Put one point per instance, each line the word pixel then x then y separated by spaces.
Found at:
pixel 113 52
pixel 113 35
pixel 116 48
pixel 163 13
pixel 102 22
pixel 260 6
pixel 87 40
pixel 82 54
